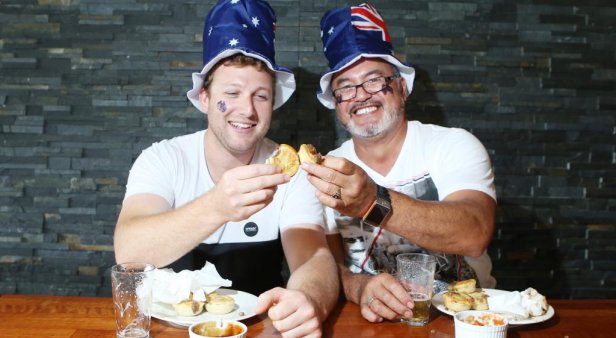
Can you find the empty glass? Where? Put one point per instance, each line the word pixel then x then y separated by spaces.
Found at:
pixel 132 299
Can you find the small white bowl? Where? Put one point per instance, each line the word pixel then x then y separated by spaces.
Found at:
pixel 480 324
pixel 218 328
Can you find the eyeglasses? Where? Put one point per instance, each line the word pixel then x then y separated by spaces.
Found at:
pixel 371 86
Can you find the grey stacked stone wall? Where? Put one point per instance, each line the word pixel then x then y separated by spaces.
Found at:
pixel 87 84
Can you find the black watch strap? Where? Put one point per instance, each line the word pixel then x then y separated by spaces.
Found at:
pixel 383 194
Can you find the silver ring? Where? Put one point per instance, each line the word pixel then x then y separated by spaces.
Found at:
pixel 370 300
pixel 338 194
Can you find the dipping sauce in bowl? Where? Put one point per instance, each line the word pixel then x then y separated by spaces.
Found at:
pixel 485 319
pixel 480 324
pixel 210 329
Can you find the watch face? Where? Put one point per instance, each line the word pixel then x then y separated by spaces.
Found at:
pixel 377 215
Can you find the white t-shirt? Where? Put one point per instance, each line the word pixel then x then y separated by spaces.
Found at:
pixel 176 170
pixel 434 162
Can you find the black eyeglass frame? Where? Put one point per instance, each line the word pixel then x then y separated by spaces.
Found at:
pixel 387 79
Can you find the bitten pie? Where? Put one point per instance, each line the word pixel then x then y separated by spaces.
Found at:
pixel 480 300
pixel 464 295
pixel 456 301
pixel 309 154
pixel 189 307
pixel 286 159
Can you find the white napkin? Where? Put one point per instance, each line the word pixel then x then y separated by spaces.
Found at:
pixel 171 287
pixel 523 304
pixel 508 302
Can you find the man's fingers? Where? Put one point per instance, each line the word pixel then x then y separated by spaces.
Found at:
pixel 324 174
pixel 398 292
pixel 258 197
pixel 254 170
pixel 386 297
pixel 261 182
pixel 286 323
pixel 395 308
pixel 326 188
pixel 279 313
pixel 338 164
pixel 381 308
pixel 370 315
pixel 266 300
pixel 289 312
pixel 294 328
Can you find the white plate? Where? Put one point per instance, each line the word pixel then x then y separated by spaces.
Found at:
pixel 439 303
pixel 245 304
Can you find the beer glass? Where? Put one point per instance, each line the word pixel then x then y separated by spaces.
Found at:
pixel 416 274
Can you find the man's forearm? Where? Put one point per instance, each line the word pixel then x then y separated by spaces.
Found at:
pixel 461 224
pixel 352 283
pixel 163 235
pixel 318 278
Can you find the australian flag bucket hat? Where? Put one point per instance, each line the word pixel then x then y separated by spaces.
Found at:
pixel 246 27
pixel 351 33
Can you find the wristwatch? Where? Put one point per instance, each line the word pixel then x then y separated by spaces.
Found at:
pixel 380 209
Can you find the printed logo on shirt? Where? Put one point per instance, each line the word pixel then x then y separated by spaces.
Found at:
pixel 251 229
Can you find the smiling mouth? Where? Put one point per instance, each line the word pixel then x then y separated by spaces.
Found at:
pixel 240 125
pixel 365 110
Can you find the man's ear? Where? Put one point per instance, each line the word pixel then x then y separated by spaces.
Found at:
pixel 405 89
pixel 334 101
pixel 204 99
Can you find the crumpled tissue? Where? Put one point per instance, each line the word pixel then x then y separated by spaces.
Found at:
pixel 523 304
pixel 171 287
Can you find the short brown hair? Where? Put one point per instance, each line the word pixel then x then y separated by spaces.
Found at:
pixel 241 60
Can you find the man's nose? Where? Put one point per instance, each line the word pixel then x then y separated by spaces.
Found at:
pixel 246 105
pixel 361 94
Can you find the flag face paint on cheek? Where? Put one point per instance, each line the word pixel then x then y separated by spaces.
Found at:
pixel 387 89
pixel 222 106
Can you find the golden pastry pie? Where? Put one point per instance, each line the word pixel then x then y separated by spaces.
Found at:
pixel 456 302
pixel 219 304
pixel 308 154
pixel 189 307
pixel 463 286
pixel 286 159
pixel 480 300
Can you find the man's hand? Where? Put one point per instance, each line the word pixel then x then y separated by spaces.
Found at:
pixel 383 297
pixel 342 185
pixel 292 312
pixel 243 191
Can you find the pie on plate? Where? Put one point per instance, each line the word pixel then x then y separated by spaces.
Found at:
pixel 439 303
pixel 245 304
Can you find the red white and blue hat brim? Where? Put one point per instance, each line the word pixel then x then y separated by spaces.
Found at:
pixel 351 33
pixel 285 80
pixel 326 96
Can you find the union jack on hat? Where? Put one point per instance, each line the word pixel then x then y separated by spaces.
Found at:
pixel 246 27
pixel 350 33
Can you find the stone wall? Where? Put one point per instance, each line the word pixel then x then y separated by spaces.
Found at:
pixel 87 84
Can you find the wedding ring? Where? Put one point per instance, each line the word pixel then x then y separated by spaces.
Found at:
pixel 338 194
pixel 370 300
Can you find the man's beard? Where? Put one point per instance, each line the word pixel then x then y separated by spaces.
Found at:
pixel 390 117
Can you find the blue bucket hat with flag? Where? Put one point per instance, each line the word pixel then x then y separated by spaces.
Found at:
pixel 246 27
pixel 351 33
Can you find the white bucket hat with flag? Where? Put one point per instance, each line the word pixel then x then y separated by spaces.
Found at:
pixel 352 33
pixel 246 27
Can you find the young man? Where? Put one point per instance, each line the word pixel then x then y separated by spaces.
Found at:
pixel 208 196
pixel 396 186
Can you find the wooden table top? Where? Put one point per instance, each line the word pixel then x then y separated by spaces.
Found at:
pixel 27 316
